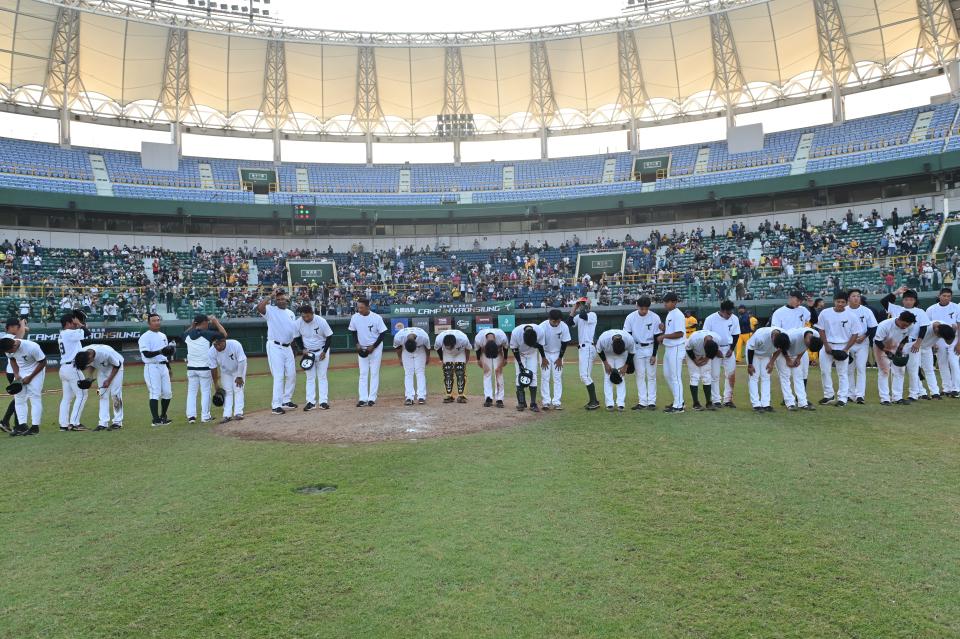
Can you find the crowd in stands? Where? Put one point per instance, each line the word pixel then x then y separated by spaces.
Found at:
pixel 125 283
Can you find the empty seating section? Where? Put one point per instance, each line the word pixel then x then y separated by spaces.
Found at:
pixel 46 167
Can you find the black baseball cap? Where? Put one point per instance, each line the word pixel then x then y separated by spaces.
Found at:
pixel 671 297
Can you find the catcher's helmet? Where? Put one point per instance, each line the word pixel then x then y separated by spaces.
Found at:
pixel 307 361
pixel 525 378
pixel 840 355
pixel 899 359
pixel 84 384
pixel 14 388
pixel 80 315
pixel 616 377
pixel 219 397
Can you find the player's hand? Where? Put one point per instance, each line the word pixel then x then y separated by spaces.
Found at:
pixel 239 382
pixel 915 348
pixel 480 364
pixel 884 365
pixel 607 368
pixel 751 370
pixel 623 369
pixel 770 365
pixel 106 383
pixel 653 360
pixel 861 339
pixel 827 349
pixel 544 363
pixel 322 356
pixel 729 354
pixel 956 349
pixel 660 338
pixel 700 361
pixel 558 364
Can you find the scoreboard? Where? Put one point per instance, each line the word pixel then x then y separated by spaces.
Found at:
pixel 651 169
pixel 303 213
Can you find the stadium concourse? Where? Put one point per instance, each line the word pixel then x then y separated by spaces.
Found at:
pixel 123 283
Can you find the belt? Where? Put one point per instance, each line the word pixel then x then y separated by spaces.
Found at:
pixel 198 368
pixel 585 345
pixel 65 363
pixel 645 345
pixel 280 343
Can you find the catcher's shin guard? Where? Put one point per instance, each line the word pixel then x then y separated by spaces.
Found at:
pixel 448 377
pixel 533 395
pixel 460 369
pixel 521 397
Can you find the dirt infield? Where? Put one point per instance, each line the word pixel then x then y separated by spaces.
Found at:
pixel 388 420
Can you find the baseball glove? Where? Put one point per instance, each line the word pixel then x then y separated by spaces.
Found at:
pixel 525 378
pixel 839 355
pixel 616 377
pixel 363 353
pixel 307 361
pixel 84 384
pixel 898 359
pixel 219 397
pixel 631 368
pixel 80 315
pixel 169 350
pixel 14 388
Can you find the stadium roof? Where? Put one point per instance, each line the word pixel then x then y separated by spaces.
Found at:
pixel 141 62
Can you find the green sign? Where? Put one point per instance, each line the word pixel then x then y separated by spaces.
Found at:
pixel 507 323
pixel 596 264
pixel 307 272
pixel 651 169
pixel 261 181
pixel 452 309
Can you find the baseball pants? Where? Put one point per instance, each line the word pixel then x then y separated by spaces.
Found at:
pixel 414 374
pixel 673 372
pixel 805 364
pixel 924 360
pixel 284 372
pixel 199 380
pixel 157 377
pixel 791 384
pixel 699 374
pixel 370 375
pixel 759 382
pixel 646 376
pixel 531 361
pixel 585 356
pixel 555 376
pixel 112 395
pixel 233 398
pixel 949 364
pixel 489 371
pixel 615 361
pixel 30 398
pixel 74 398
pixel 827 364
pixel 318 387
pixel 727 368
pixel 857 370
pixel 890 384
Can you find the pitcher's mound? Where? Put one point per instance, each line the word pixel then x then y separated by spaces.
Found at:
pixel 387 420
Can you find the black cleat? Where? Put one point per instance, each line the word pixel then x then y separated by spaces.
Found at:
pixel 716 405
pixel 729 405
pixel 323 405
pixel 371 403
pixel 166 421
pixel 448 399
pixel 309 406
pixel 289 405
pixel 34 430
pixel 651 407
pixel 361 404
pixel 825 401
pixel 156 422
pixel 671 410
pixel 424 401
pixel 101 427
pixel 792 409
pixel 712 407
pixel 808 407
pixel 534 408
pixel 461 399
pixel 408 402
pixel 620 408
pixel 768 409
pixel 5 427
pixel 861 401
pixel 758 409
pixel 698 407
pixel 609 409
pixel 488 402
pixel 226 420
pixel 925 398
pixel 193 420
pixel 636 406
pixel 79 428
pixel 884 403
pixel 592 405
pixel 499 403
pixel 521 407
pixel 902 402
pixel 938 396
pixel 278 411
pixel 116 426
pixel 840 404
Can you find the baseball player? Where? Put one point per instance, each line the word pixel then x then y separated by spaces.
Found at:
pixel 413 350
pixel 790 365
pixel 199 338
pixel 228 365
pixel 369 331
pixel 917 338
pixel 585 322
pixel 453 347
pixel 556 338
pixel 761 358
pixel 73 332
pixel 492 353
pixel 936 333
pixel 839 331
pixel 615 349
pixel 108 364
pixel 889 349
pixel 16 328
pixel 526 342
pixel 644 327
pixel 946 311
pixel 281 331
pixel 726 326
pixel 673 342
pixel 702 348
pixel 867 327
pixel 155 351
pixel 314 333
pixel 29 369
pixel 794 314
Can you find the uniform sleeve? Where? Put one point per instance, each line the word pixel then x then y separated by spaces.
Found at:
pixel 212 358
pixel 241 356
pixel 397 342
pixel 514 340
pixel 327 331
pixel 437 341
pixel 381 327
pixel 210 335
pixel 565 333
pixel 353 323
pixel 115 359
pixel 629 342
pixel 735 326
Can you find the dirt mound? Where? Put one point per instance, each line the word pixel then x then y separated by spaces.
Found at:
pixel 387 420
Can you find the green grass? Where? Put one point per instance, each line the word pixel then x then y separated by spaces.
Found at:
pixel 843 522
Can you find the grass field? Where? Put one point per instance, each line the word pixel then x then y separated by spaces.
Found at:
pixel 838 523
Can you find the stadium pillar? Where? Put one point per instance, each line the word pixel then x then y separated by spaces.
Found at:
pixel 544 154
pixel 65 127
pixel 368 142
pixel 176 137
pixel 839 108
pixel 633 144
pixel 456 151
pixel 276 147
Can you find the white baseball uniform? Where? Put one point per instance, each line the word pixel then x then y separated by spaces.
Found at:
pixel 586 329
pixel 916 360
pixel 460 350
pixel 281 331
pixel 860 352
pixel 156 372
pixel 791 378
pixel 947 358
pixel 695 344
pixel 529 355
pixel 786 318
pixel 605 346
pixel 29 356
pixel 725 363
pixel 761 343
pixel 838 328
pixel 492 377
pixel 673 354
pixel 644 330
pixel 415 363
pixel 74 398
pixel 890 383
pixel 314 337
pixel 368 328
pixel 199 377
pixel 232 364
pixel 554 337
pixel 103 362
